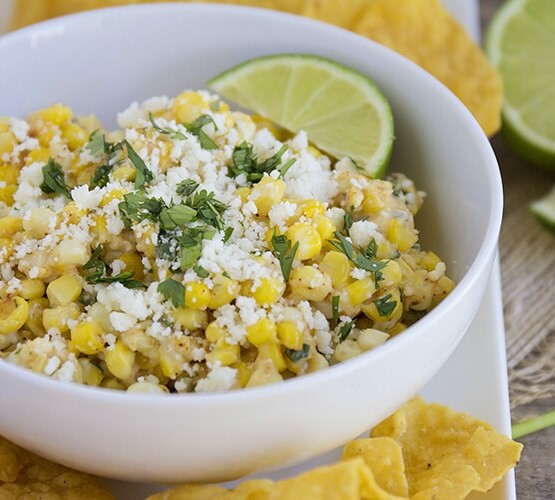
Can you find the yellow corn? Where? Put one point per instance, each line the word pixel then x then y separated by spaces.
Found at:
pixel 337 266
pixel 10 225
pixel 243 193
pixel 310 242
pixel 372 203
pixel 170 363
pixel 265 372
pixel 223 291
pixel 64 290
pixel 273 353
pixel 59 316
pixel 86 337
pixel 4 123
pixel 311 207
pixel 100 229
pixel 39 155
pixel 188 106
pixel 31 289
pixel 133 263
pixel 316 362
pixel 262 332
pixel 372 311
pixel 112 383
pixel 190 319
pixel 214 332
pixel 14 312
pixel 7 194
pixel 114 194
pixel 124 173
pixel 224 353
pixel 119 360
pixel 269 291
pixel 391 274
pixel 7 246
pixel 324 226
pixel 46 134
pixel 73 214
pixel 354 198
pixel 361 290
pixel 7 143
pixel 243 373
pixel 397 328
pixel 39 223
pixel 430 260
pixel 146 388
pixel 289 335
pixel 9 173
pixel 34 320
pixel 58 114
pixel 346 350
pixel 74 136
pixel 370 338
pixel 401 234
pixel 101 315
pixel 92 374
pixel 310 283
pixel 267 193
pixel 197 295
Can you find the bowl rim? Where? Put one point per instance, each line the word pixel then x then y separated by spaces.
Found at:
pixel 31 34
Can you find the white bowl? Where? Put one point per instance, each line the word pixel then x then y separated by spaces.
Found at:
pixel 101 61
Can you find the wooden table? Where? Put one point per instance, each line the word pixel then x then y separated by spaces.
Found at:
pixel 535 475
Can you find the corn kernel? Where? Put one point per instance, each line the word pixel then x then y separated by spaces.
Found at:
pixel 86 337
pixel 370 338
pixel 14 312
pixel 59 316
pixel 273 353
pixel 10 225
pixel 46 134
pixel 92 374
pixel 262 332
pixel 430 260
pixel 39 155
pixel 337 266
pixel 324 226
pixel 265 372
pixel 311 207
pixel 290 335
pixel 7 247
pixel 188 106
pixel 354 198
pixel 31 289
pixel 114 194
pixel 101 315
pixel 7 143
pixel 100 229
pixel 132 262
pixel 401 234
pixel 39 222
pixel 267 193
pixel 243 193
pixel 34 320
pixel 269 291
pixel 310 242
pixel 310 283
pixel 112 383
pixel 316 362
pixel 361 290
pixel 124 173
pixel 170 363
pixel 74 136
pixel 223 291
pixel 243 373
pixel 147 388
pixel 214 332
pixel 72 253
pixel 390 309
pixel 372 203
pixel 190 319
pixel 391 274
pixel 73 214
pixel 9 173
pixel 64 290
pixel 347 350
pixel 197 295
pixel 7 194
pixel 224 353
pixel 397 329
pixel 58 114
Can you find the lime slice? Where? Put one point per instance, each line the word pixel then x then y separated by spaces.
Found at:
pixel 343 111
pixel 544 209
pixel 521 45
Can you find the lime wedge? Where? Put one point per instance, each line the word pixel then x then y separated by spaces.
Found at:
pixel 521 45
pixel 343 111
pixel 544 209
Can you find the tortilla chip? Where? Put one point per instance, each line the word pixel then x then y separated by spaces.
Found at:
pixel 24 475
pixel 384 458
pixel 341 13
pixel 447 454
pixel 425 32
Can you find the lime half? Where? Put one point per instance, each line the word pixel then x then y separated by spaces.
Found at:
pixel 343 111
pixel 544 209
pixel 521 45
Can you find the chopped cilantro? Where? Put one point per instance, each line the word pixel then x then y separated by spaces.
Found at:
pixel 97 144
pixel 54 179
pixel 186 187
pixel 361 259
pixel 385 306
pixel 227 234
pixel 137 207
pixel 296 356
pixel 172 133
pixel 144 175
pixel 101 175
pixel 335 310
pixel 348 221
pixel 174 291
pixel 208 208
pixel 195 128
pixel 98 272
pixel 176 216
pixel 345 330
pixel 201 272
pixel 285 253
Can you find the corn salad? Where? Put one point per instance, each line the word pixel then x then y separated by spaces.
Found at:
pixel 197 249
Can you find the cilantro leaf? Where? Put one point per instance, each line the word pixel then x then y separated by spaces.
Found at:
pixel 190 244
pixel 54 179
pixel 174 291
pixel 172 133
pixel 195 128
pixel 296 356
pixel 361 259
pixel 208 208
pixel 348 220
pixel 186 187
pixel 385 306
pixel 137 207
pixel 175 216
pixel 285 253
pixel 335 310
pixel 98 272
pixel 345 330
pixel 97 144
pixel 144 175
pixel 101 175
